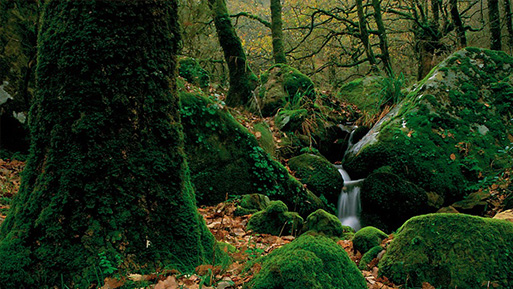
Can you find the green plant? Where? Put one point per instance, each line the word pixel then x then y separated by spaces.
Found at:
pixel 390 92
pixel 252 250
pixel 107 266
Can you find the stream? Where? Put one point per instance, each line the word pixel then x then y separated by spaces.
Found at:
pixel 349 206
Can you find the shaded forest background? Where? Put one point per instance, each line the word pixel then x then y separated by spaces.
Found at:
pixel 332 42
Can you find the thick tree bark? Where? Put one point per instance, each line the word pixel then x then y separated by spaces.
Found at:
pixel 106 178
pixel 242 79
pixel 277 32
pixel 495 24
pixel 383 41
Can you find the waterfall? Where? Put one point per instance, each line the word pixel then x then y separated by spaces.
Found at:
pixel 349 206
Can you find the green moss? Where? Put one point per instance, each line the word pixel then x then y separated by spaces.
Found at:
pixel 368 237
pixel 320 176
pixel 284 87
pixel 276 220
pixel 265 139
pixel 221 149
pixel 242 80
pixel 451 251
pixel 363 92
pixel 106 175
pixel 447 134
pixel 308 262
pixel 190 69
pixel 325 223
pixel 250 204
pixel 368 257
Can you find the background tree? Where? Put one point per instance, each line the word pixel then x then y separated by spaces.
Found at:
pixel 494 19
pixel 106 176
pixel 242 80
pixel 277 32
pixel 18 41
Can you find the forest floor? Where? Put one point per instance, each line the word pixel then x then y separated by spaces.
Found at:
pixel 225 226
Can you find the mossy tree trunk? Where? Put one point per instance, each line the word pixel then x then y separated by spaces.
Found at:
pixel 277 32
pixel 106 174
pixel 242 79
pixel 495 24
pixel 382 35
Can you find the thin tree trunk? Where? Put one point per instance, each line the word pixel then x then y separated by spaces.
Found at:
pixel 458 23
pixel 509 22
pixel 383 41
pixel 495 24
pixel 242 79
pixel 364 34
pixel 277 32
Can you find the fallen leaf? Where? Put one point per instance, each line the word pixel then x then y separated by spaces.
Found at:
pixel 169 283
pixel 453 157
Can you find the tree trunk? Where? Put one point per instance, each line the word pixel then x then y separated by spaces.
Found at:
pixel 364 34
pixel 277 32
pixel 242 79
pixel 458 23
pixel 495 24
pixel 106 180
pixel 509 22
pixel 383 41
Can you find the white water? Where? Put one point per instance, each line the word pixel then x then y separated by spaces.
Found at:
pixel 349 206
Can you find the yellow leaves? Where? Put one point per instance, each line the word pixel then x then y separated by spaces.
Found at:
pixel 453 157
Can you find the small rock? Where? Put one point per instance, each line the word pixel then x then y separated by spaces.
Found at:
pixel 506 215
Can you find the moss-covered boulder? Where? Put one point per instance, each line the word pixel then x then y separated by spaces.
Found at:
pixel 250 204
pixel 451 251
pixel 389 200
pixel 320 176
pixel 368 237
pixel 308 262
pixel 190 69
pixel 369 256
pixel 322 222
pixel 449 131
pixel 284 86
pixel 364 93
pixel 225 158
pixel 276 220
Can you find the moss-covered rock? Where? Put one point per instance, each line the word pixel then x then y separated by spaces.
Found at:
pixel 364 93
pixel 250 204
pixel 322 222
pixel 308 262
pixel 284 87
pixel 368 257
pixel 368 237
pixel 449 131
pixel 276 220
pixel 391 199
pixel 451 251
pixel 225 158
pixel 320 176
pixel 190 69
pixel 265 138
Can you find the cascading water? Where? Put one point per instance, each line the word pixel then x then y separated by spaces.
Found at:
pixel 349 206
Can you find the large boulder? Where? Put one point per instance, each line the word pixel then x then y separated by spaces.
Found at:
pixel 283 85
pixel 225 159
pixel 308 262
pixel 449 132
pixel 319 175
pixel 451 251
